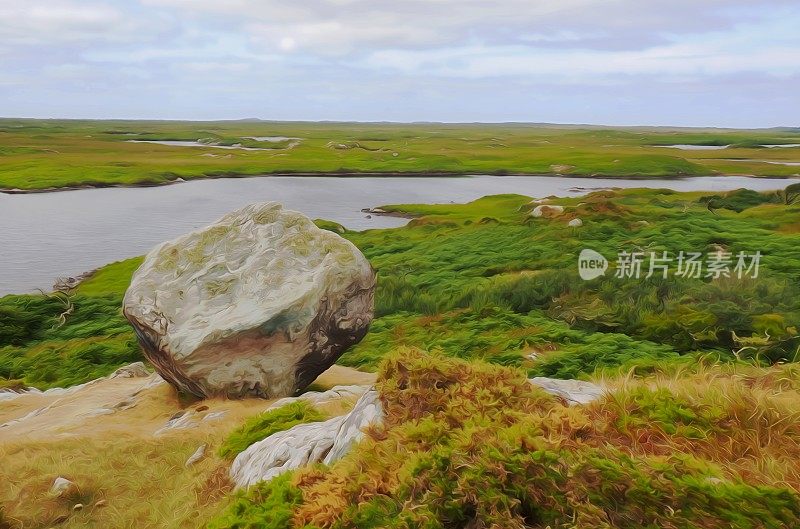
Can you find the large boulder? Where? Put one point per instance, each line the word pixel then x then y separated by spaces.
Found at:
pixel 259 303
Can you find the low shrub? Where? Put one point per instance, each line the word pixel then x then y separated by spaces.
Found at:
pixel 467 444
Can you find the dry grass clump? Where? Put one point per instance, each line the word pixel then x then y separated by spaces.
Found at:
pixel 745 419
pixel 466 444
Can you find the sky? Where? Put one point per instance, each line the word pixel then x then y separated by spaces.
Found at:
pixel 727 63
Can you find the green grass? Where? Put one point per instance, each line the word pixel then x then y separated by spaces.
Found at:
pixel 262 426
pixel 113 278
pixel 501 336
pixel 265 506
pixel 37 154
pixel 51 342
pixel 485 280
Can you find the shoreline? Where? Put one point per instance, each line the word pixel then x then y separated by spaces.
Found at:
pixel 396 174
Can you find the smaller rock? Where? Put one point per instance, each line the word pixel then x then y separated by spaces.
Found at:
pixel 61 486
pixel 368 410
pixel 575 223
pixel 134 370
pixel 213 416
pixel 199 454
pixel 78 507
pixel 179 421
pixel 561 168
pixel 306 444
pixel 573 391
pixel 100 503
pixel 284 451
pixel 318 398
pixel 547 211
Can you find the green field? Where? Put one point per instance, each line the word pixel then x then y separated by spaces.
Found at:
pixel 485 280
pixel 42 154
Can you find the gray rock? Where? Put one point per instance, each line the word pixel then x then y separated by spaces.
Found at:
pixel 575 223
pixel 259 303
pixel 134 370
pixel 61 486
pixel 305 444
pixel 179 421
pixel 573 391
pixel 368 410
pixel 547 210
pixel 316 397
pixel 199 454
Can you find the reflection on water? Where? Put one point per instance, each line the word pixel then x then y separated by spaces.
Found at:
pixel 694 147
pixel 43 236
pixel 180 143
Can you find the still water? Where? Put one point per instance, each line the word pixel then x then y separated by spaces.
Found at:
pixel 47 235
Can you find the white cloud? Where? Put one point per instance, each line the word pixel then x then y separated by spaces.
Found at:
pixel 351 26
pixel 376 59
pixel 50 22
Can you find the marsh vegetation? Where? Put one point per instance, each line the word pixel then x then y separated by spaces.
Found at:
pixel 39 154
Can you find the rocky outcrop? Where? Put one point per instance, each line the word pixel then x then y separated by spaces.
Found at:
pixel 306 443
pixel 547 211
pixel 317 398
pixel 134 370
pixel 259 303
pixel 368 410
pixel 572 391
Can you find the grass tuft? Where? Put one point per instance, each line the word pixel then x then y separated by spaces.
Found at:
pixel 262 426
pixel 468 444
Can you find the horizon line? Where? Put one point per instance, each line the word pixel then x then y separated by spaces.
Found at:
pixel 789 128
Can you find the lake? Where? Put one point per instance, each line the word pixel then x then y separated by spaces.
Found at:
pixel 47 235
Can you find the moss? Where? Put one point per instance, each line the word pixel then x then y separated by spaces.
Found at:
pixel 263 506
pixel 262 426
pixel 471 444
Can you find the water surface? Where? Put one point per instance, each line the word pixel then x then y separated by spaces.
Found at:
pixel 47 235
pixel 181 143
pixel 694 147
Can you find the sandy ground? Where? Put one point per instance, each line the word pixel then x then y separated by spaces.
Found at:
pixel 135 407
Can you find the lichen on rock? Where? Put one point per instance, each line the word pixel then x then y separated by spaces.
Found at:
pixel 259 303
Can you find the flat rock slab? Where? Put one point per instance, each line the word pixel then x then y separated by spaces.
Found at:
pixel 306 444
pixel 143 407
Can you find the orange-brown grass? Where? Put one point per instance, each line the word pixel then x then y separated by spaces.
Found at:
pixel 744 419
pixel 465 444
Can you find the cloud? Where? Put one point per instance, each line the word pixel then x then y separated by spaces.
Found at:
pixel 50 22
pixel 406 59
pixel 339 27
